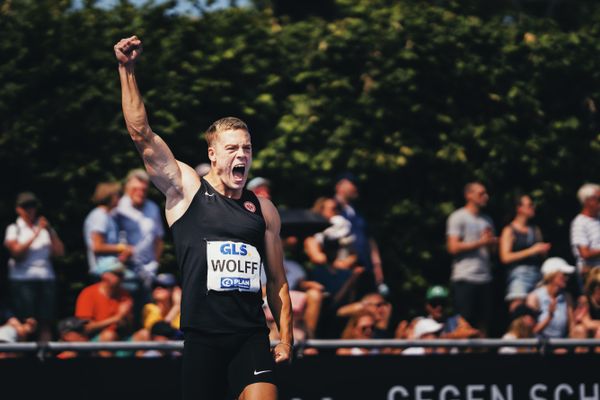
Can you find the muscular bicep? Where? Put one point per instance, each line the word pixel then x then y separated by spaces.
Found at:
pixel 163 168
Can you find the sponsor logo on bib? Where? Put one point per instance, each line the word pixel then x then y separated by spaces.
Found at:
pixel 232 266
pixel 235 283
pixel 250 206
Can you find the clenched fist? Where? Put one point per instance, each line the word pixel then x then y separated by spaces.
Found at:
pixel 128 50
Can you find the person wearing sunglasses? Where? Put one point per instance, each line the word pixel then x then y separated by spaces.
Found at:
pixel 359 327
pixel 454 325
pixel 378 307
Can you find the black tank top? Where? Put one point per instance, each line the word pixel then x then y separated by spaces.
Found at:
pixel 232 229
pixel 524 241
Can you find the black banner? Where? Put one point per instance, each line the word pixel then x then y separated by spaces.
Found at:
pixel 458 377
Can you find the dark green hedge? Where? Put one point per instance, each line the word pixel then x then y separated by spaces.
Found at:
pixel 415 99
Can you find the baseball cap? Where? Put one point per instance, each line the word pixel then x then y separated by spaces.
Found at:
pixel 71 324
pixel 27 198
pixel 165 280
pixel 110 264
pixel 556 264
pixel 257 182
pixel 436 292
pixel 425 326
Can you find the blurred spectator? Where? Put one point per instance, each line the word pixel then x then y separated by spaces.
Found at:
pixel 139 220
pixel 470 238
pixel 140 225
pixel 424 329
pixel 166 302
pixel 346 192
pixel 260 186
pixel 522 249
pixel 552 302
pixel 338 237
pixel 306 295
pixel 106 306
pixel 31 242
pixel 587 314
pixel 13 331
pixel 161 331
pixel 359 327
pixel 100 229
pixel 523 320
pixel 71 329
pixel 453 326
pixel 202 169
pixel 585 231
pixel 378 307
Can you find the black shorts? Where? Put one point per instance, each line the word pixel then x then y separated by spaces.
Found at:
pixel 220 366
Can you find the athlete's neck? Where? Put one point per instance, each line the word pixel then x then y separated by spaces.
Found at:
pixel 221 188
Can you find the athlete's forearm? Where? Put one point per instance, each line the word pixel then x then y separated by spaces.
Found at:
pixel 278 297
pixel 134 110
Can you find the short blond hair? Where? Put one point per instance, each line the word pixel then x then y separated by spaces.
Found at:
pixel 221 125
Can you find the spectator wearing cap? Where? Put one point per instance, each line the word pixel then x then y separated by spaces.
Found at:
pixel 71 329
pixel 424 329
pixel 453 326
pixel 552 302
pixel 522 250
pixel 100 229
pixel 260 186
pixel 378 307
pixel 166 302
pixel 140 222
pixel 359 327
pixel 585 231
pixel 106 305
pixel 470 237
pixel 367 251
pixel 32 242
pixel 523 320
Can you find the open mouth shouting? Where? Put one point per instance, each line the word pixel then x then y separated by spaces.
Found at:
pixel 239 172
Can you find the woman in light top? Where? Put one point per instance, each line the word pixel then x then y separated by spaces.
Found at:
pixel 522 250
pixel 32 242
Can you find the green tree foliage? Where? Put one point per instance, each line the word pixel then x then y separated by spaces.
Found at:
pixel 414 98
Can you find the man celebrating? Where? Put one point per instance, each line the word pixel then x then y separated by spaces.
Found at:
pixel 222 234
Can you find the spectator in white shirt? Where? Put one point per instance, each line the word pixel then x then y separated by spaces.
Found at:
pixel 32 243
pixel 585 231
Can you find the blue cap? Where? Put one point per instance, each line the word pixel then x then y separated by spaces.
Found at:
pixel 110 264
pixel 165 280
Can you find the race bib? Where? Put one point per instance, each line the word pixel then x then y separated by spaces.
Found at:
pixel 232 266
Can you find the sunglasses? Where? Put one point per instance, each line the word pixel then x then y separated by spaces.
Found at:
pixel 365 328
pixel 378 305
pixel 438 303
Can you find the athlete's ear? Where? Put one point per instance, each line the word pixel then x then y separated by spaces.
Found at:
pixel 211 154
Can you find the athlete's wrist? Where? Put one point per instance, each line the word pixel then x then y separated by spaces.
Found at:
pixel 291 346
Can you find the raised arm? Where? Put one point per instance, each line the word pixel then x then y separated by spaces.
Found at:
pixel 278 295
pixel 164 170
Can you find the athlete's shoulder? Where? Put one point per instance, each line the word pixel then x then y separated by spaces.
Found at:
pixel 179 199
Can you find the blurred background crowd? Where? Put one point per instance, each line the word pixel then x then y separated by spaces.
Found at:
pixel 333 266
